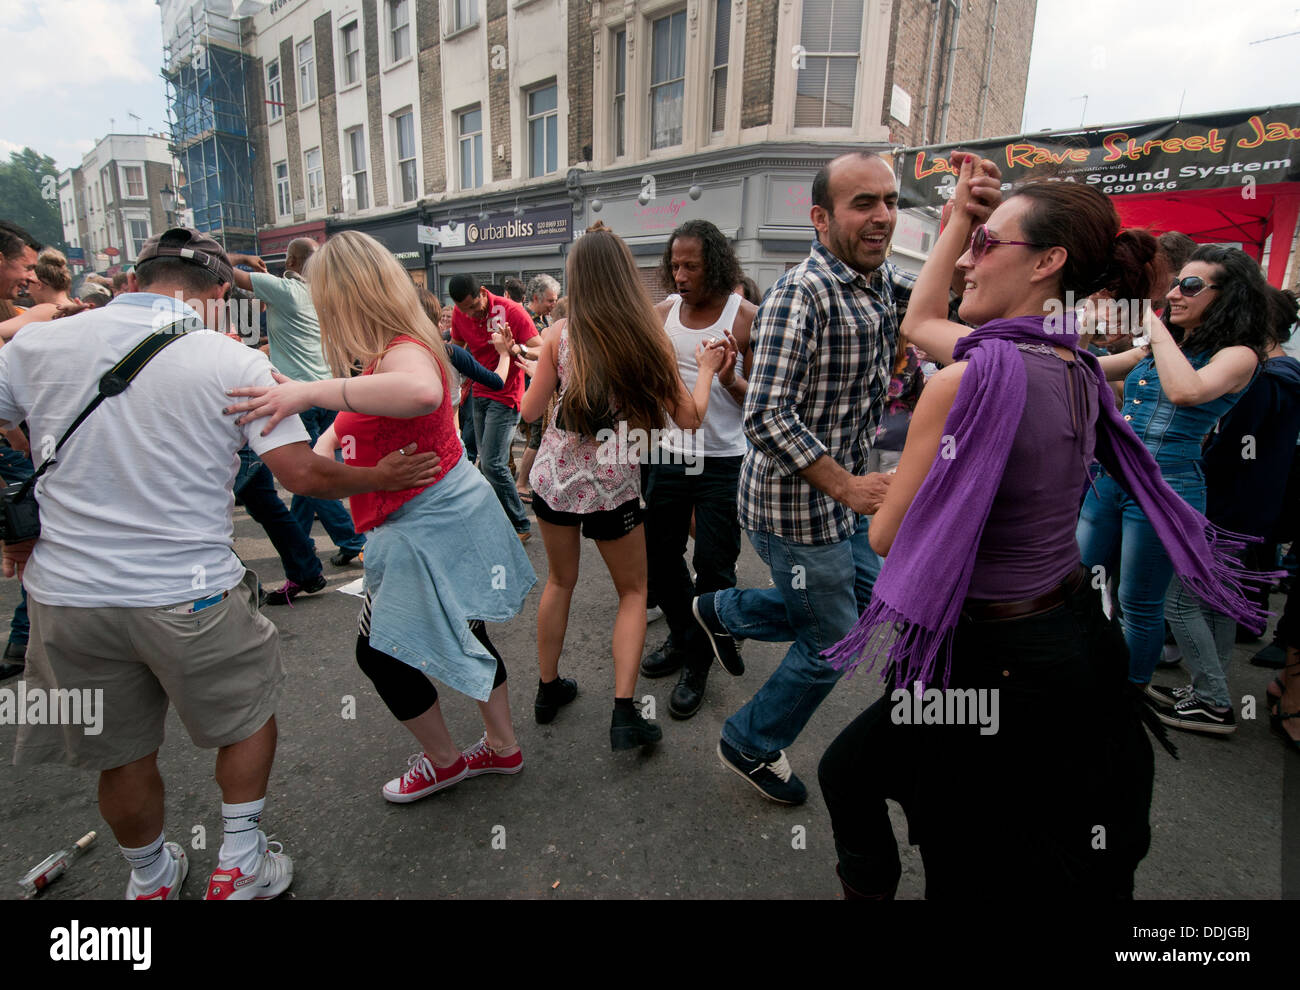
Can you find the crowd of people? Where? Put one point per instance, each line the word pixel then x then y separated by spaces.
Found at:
pixel 947 483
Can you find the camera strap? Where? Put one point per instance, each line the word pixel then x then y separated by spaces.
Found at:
pixel 113 382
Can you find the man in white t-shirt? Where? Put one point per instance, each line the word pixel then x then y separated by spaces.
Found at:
pixel 695 475
pixel 137 599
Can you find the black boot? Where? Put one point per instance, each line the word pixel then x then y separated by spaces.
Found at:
pixel 552 697
pixel 665 659
pixel 627 729
pixel 689 693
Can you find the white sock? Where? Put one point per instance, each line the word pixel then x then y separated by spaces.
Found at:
pixel 240 847
pixel 150 865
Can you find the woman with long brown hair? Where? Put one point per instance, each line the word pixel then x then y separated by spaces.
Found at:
pixel 439 560
pixel 616 375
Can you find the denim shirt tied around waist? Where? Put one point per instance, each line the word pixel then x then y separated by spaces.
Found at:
pixel 1174 434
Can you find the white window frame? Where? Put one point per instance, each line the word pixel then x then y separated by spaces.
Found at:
pixel 124 180
pixel 618 98
pixel 315 178
pixel 353 28
pixel 137 245
pixel 475 140
pixel 719 67
pixel 461 16
pixel 358 171
pixel 675 80
pixel 390 8
pixel 414 158
pixel 530 117
pixel 274 91
pixel 306 72
pixel 283 192
pixel 832 54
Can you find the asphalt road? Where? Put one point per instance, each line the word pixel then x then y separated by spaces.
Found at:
pixel 580 821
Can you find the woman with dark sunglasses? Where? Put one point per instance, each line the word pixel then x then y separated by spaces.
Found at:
pixel 1010 736
pixel 1173 396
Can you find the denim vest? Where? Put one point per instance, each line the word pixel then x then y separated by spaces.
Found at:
pixel 1173 434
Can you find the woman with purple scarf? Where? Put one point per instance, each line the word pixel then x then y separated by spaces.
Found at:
pixel 1010 734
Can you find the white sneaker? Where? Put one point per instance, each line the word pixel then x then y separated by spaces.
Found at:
pixel 271 878
pixel 171 890
pixel 653 614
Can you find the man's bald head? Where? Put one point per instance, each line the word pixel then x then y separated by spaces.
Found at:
pixel 296 255
pixel 821 187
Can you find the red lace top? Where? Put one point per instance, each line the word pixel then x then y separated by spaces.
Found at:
pixel 367 439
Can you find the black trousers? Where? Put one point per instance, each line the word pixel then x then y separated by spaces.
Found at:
pixel 1055 802
pixel 672 494
pixel 406 691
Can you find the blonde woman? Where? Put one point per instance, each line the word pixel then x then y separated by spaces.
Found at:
pixel 612 364
pixel 439 560
pixel 49 292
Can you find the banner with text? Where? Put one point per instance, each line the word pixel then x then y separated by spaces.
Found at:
pixel 1239 148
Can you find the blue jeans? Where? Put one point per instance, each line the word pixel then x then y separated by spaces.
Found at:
pixel 1206 638
pixel 467 428
pixel 255 488
pixel 17 466
pixel 331 512
pixel 1113 530
pixel 494 426
pixel 819 593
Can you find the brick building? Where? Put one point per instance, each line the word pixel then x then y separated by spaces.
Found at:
pixel 509 125
pixel 111 203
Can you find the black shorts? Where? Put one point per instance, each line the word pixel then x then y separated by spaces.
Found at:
pixel 606 524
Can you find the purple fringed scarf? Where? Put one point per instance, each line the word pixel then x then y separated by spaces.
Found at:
pixel 922 586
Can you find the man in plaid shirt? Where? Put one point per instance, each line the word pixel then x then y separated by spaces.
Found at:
pixel 825 341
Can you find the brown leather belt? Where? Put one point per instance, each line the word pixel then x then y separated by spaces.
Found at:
pixel 985 611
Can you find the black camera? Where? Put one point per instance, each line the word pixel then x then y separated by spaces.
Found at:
pixel 20 518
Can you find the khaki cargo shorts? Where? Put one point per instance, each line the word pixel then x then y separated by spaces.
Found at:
pixel 115 670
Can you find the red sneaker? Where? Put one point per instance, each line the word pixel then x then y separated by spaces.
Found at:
pixel 482 758
pixel 270 878
pixel 423 778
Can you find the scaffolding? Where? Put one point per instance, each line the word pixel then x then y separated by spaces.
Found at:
pixel 204 66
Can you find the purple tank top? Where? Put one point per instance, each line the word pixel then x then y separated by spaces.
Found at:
pixel 1028 545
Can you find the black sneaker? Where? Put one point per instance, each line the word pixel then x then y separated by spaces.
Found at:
pixel 723 643
pixel 628 729
pixel 775 780
pixel 665 659
pixel 550 699
pixel 1164 697
pixel 689 693
pixel 1272 656
pixel 287 592
pixel 1196 716
pixel 345 557
pixel 14 661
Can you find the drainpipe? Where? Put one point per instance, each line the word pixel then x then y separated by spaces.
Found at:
pixel 988 69
pixel 948 73
pixel 929 70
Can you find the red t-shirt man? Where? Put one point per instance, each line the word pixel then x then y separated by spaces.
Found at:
pixel 472 321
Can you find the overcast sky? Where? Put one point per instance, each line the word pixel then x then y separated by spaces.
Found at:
pixel 71 66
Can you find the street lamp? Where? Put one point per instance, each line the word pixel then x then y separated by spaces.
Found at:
pixel 168 197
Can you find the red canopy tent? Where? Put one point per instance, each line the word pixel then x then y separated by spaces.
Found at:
pixel 1217 215
pixel 1226 177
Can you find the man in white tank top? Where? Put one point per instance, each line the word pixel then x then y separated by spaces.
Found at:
pixel 697 472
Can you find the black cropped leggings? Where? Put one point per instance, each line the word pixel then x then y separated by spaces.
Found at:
pixel 406 691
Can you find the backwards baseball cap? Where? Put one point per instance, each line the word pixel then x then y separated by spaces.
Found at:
pixel 190 245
